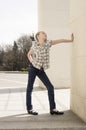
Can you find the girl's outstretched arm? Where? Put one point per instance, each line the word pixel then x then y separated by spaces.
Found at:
pixel 54 42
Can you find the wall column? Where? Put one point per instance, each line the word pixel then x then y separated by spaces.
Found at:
pixel 53 18
pixel 78 26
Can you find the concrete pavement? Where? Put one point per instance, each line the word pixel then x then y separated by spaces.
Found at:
pixel 68 121
pixel 13 114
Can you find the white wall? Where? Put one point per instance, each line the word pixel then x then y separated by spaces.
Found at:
pixel 78 26
pixel 53 18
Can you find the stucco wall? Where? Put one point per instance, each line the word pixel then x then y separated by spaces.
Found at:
pixel 78 75
pixel 53 18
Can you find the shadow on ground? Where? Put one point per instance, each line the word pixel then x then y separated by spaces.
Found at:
pixel 68 121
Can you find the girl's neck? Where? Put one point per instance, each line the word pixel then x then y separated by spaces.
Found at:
pixel 41 42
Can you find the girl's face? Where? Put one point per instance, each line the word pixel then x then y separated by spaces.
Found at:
pixel 42 36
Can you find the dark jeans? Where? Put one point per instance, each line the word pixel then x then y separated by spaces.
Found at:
pixel 33 72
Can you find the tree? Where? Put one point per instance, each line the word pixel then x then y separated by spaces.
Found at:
pixel 8 58
pixel 1 57
pixel 24 44
pixel 15 56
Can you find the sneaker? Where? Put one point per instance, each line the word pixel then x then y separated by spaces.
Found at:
pixel 56 112
pixel 32 112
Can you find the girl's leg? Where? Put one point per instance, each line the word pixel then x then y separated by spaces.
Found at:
pixel 43 77
pixel 31 79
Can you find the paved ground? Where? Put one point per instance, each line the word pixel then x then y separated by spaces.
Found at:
pixel 13 113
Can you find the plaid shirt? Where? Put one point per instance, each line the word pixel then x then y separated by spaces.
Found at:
pixel 40 55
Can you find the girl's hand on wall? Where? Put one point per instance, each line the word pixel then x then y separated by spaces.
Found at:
pixel 72 37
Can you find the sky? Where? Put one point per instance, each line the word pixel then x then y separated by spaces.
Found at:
pixel 17 17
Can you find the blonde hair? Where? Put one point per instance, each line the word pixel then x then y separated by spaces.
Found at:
pixel 38 34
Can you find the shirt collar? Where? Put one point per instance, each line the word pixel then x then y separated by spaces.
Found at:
pixel 38 44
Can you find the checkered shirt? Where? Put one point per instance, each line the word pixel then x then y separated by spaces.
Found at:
pixel 40 55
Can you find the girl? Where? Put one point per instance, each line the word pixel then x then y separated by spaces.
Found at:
pixel 39 59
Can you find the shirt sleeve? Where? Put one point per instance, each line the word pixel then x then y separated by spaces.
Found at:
pixel 49 43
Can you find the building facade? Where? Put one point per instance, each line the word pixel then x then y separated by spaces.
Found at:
pixel 53 18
